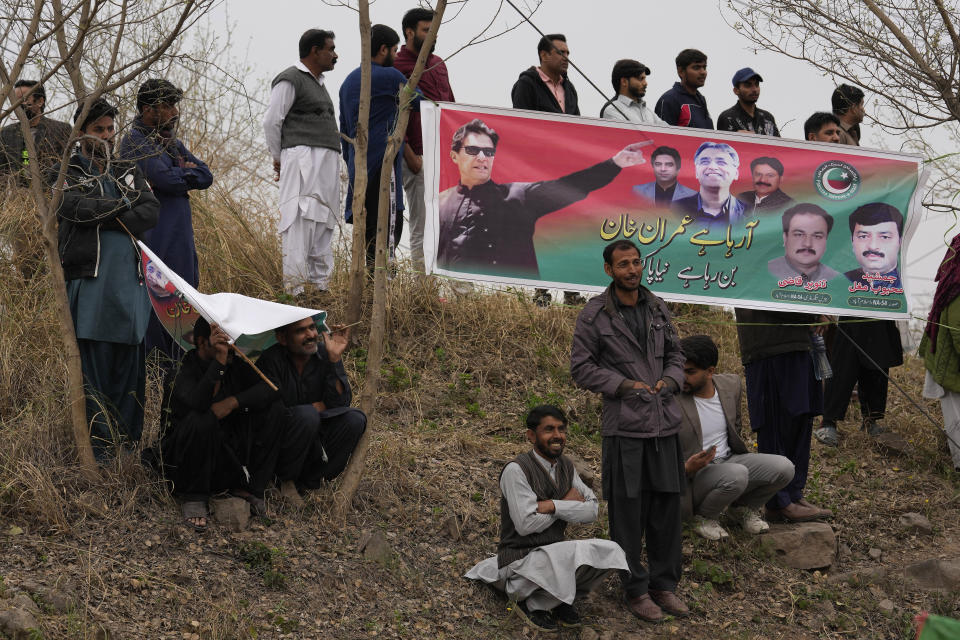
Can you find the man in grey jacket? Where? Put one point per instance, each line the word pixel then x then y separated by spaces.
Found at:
pixel 626 349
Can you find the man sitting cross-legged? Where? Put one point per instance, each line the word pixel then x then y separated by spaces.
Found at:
pixel 720 470
pixel 221 432
pixel 540 493
pixel 307 368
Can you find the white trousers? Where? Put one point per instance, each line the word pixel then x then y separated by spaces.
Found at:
pixel 417 212
pixel 307 255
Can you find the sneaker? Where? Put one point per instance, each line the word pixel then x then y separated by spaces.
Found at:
pixel 567 615
pixel 827 434
pixel 752 522
pixel 709 529
pixel 537 618
pixel 669 602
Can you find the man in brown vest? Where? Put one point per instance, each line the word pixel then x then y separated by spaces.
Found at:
pixel 534 565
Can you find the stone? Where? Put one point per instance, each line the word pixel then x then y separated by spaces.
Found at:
pixel 875 554
pixel 18 624
pixel 916 523
pixel 859 576
pixel 584 470
pixel 936 574
pixel 804 545
pixel 893 443
pixel 589 634
pixel 231 512
pixel 25 602
pixel 376 548
pixel 451 528
pixel 886 606
pixel 60 601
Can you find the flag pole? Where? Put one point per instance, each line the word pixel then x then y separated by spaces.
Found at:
pixel 244 357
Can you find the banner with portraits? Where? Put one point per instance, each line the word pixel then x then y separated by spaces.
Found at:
pixel 523 198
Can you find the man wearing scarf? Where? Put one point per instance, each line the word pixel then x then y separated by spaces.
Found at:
pixel 940 347
pixel 172 172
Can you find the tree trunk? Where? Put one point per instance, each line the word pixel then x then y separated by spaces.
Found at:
pixel 376 344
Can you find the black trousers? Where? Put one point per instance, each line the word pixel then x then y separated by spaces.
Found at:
pixel 333 434
pixel 635 516
pixel 372 204
pixel 789 437
pixel 848 370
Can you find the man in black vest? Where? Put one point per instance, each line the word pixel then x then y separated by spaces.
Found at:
pixel 540 493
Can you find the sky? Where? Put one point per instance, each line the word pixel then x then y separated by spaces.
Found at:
pixel 598 33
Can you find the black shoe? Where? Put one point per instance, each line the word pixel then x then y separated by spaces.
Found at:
pixel 567 615
pixel 539 619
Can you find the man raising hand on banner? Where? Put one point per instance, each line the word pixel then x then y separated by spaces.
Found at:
pixel 490 226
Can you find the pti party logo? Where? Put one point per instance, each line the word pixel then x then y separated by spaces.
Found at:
pixel 836 180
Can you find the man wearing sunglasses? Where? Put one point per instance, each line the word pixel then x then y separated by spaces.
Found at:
pixel 488 227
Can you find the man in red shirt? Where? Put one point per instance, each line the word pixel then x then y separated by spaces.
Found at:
pixel 435 85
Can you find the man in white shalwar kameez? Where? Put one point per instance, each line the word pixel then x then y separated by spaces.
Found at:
pixel 304 139
pixel 535 566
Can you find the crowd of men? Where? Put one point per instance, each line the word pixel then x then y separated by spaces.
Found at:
pixel 672 424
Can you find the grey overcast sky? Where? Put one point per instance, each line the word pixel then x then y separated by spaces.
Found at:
pixel 598 33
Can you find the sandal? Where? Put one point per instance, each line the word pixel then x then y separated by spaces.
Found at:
pixel 257 506
pixel 193 512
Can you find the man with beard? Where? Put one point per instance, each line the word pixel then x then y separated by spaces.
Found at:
pixel 103 201
pixel 307 367
pixel 722 473
pixel 626 348
pixel 172 172
pixel 435 85
pixel 746 116
pixel 50 138
pixel 385 82
pixel 665 189
pixel 875 230
pixel 630 83
pixel 540 493
pixel 714 208
pixel 300 128
pixel 806 227
pixel 766 196
pixel 684 105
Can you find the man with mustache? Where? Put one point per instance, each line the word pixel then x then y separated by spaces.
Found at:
pixel 626 348
pixel 630 82
pixel 875 230
pixel 307 367
pixel 746 116
pixel 540 493
pixel 104 200
pixel 766 196
pixel 172 172
pixel 806 227
pixel 714 207
pixel 435 85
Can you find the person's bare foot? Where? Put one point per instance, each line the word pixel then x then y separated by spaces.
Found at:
pixel 288 491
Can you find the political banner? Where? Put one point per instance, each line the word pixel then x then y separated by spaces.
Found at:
pixel 523 198
pixel 249 322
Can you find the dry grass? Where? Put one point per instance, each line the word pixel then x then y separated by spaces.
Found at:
pixel 459 374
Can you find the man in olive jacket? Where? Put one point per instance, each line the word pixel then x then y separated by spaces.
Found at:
pixel 626 349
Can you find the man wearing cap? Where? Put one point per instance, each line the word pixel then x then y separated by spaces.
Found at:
pixel 172 172
pixel 630 82
pixel 746 116
pixel 105 289
pixel 302 136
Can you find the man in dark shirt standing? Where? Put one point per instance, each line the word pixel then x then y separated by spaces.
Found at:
pixel 684 105
pixel 313 384
pixel 547 87
pixel 435 85
pixel 746 116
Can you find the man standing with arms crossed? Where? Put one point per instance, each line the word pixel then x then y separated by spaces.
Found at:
pixel 625 348
pixel 435 85
pixel 302 136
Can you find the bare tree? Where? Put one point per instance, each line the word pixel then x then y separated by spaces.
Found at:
pixel 98 46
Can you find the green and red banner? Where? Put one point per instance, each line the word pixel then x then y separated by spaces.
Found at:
pixel 522 198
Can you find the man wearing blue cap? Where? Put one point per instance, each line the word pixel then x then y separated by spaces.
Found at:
pixel 745 116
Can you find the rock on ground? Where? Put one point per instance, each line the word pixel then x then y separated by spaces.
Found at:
pixel 916 523
pixel 232 512
pixel 375 547
pixel 804 545
pixel 936 574
pixel 18 624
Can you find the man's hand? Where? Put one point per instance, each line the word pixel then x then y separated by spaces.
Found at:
pixel 546 506
pixel 220 342
pixel 822 328
pixel 699 460
pixel 631 154
pixel 189 165
pixel 336 342
pixel 225 407
pixel 659 386
pixel 573 494
pixel 276 170
pixel 319 406
pixel 414 162
pixel 643 385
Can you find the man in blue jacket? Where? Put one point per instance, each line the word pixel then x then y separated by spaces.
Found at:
pixel 385 83
pixel 683 105
pixel 172 171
